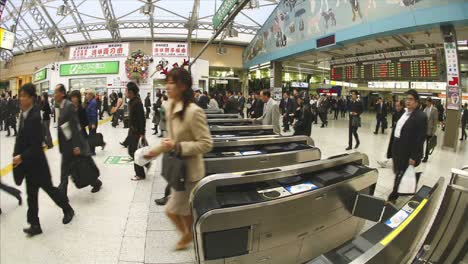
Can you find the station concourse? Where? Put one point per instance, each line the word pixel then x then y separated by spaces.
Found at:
pixel 234 132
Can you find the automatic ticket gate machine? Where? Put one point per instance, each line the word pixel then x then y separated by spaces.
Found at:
pixel 222 116
pixel 259 153
pixel 279 215
pixel 214 111
pixel 230 122
pixel 219 131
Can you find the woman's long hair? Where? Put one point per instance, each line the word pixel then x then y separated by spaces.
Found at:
pixel 76 93
pixel 182 78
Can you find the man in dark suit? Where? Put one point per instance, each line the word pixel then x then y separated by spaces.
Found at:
pixel 408 140
pixel 148 105
pixel 257 106
pixel 30 162
pixel 203 100
pixel 71 140
pixel 464 121
pixel 241 101
pixel 232 105
pixel 381 115
pixel 287 107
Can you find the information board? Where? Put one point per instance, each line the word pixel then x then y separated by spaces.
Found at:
pixel 94 51
pixel 7 39
pixel 89 68
pixel 40 75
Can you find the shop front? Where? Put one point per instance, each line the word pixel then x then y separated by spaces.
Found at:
pixel 41 79
pixel 224 79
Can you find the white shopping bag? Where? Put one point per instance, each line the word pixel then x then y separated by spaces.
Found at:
pixel 139 156
pixel 66 130
pixel 408 181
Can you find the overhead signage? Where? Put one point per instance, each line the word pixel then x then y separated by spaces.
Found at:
pixel 300 84
pixel 223 11
pixel 89 68
pixel 389 85
pixel 40 75
pixel 339 83
pixel 7 39
pixel 170 49
pixel 387 55
pixel 429 85
pixel 325 41
pixel 96 51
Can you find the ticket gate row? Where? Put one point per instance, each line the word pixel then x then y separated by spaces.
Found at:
pixel 222 116
pixel 222 132
pixel 214 111
pixel 230 122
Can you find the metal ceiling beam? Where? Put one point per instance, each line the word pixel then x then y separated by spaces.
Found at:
pixel 51 32
pixel 25 8
pixel 405 43
pixel 192 24
pixel 33 35
pixel 111 21
pixel 251 19
pixel 6 55
pixel 70 4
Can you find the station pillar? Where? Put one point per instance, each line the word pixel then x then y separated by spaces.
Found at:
pixel 276 79
pixel 454 91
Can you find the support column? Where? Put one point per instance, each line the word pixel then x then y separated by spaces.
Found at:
pixel 276 79
pixel 454 91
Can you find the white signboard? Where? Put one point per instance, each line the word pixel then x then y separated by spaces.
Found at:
pixel 387 55
pixel 96 51
pixel 170 49
pixel 300 84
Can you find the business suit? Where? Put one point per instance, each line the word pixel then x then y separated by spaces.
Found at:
pixel 287 107
pixel 464 121
pixel 241 102
pixel 257 109
pixel 232 106
pixel 203 101
pixel 395 117
pixel 36 169
pixel 408 146
pixel 271 115
pixel 69 137
pixel 354 121
pixel 137 129
pixel 381 116
pixel 148 106
pixel 46 112
pixel 432 120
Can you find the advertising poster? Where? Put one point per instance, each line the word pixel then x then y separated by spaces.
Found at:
pixel 96 51
pixel 453 98
pixel 168 55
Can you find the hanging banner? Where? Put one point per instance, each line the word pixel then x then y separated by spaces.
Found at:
pixel 96 51
pixel 170 49
pixel 168 55
pixel 453 76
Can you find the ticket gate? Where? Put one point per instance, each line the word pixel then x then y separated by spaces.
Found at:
pixel 280 215
pixel 214 111
pixel 230 122
pixel 241 131
pixel 222 116
pixel 259 153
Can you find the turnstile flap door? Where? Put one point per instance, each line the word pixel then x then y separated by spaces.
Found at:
pixel 226 243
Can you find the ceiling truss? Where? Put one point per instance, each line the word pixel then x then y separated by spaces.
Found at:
pixel 70 4
pixel 50 32
pixel 111 21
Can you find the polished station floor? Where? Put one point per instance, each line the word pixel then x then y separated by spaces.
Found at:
pixel 121 223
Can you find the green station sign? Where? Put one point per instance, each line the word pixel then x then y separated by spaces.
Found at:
pixel 224 10
pixel 89 68
pixel 118 160
pixel 40 75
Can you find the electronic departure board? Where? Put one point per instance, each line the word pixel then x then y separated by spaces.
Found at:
pixel 413 68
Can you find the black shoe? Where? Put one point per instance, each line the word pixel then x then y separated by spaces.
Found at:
pixel 155 133
pixel 161 136
pixel 461 138
pixel 323 125
pixel 68 216
pixel 33 230
pixel 18 196
pixel 349 148
pixel 123 145
pixel 357 145
pixel 97 187
pixel 103 146
pixel 425 160
pixel 161 201
pixel 375 133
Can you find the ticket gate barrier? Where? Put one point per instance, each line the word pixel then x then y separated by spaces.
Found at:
pixel 259 153
pixel 429 228
pixel 241 131
pixel 261 137
pixel 279 215
pixel 222 116
pixel 214 111
pixel 230 122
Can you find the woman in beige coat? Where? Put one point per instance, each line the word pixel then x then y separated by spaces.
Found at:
pixel 189 135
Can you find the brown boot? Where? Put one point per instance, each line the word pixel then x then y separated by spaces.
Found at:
pixel 177 220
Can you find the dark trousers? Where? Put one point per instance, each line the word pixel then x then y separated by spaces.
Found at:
pixel 323 118
pixel 380 121
pixel 12 125
pixel 336 114
pixel 148 111
pixel 286 122
pixel 463 130
pixel 10 190
pixel 132 147
pixel 65 171
pixel 428 138
pixel 32 189
pixel 104 109
pixel 115 119
pixel 352 132
pixel 92 131
pixel 46 133
pixel 343 113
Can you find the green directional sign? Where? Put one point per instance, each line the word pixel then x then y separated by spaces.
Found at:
pixel 40 75
pixel 118 160
pixel 224 10
pixel 89 68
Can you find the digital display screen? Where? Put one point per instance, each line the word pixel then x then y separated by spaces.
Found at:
pixel 303 187
pixel 7 39
pixel 326 41
pixel 397 219
pixel 414 68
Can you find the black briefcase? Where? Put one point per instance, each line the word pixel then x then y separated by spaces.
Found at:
pixel 96 140
pixel 84 171
pixel 19 174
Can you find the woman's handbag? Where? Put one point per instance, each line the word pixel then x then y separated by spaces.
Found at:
pixel 174 170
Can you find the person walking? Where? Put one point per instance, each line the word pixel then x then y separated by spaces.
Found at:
pixel 3 112
pixel 157 114
pixel 189 136
pixel 75 97
pixel 408 140
pixel 105 106
pixel 46 111
pixel 381 115
pixel 287 109
pixel 271 112
pixel 355 111
pixel 432 120
pixel 137 126
pixel 118 110
pixel 241 102
pixel 148 105
pixel 322 107
pixel 213 103
pixel 303 124
pixel 399 110
pixel 72 143
pixel 98 105
pixel 92 115
pixel 29 157
pixel 257 106
pixel 11 110
pixel 232 104
pixel 464 121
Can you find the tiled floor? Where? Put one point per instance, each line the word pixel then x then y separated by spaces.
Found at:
pixel 121 224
